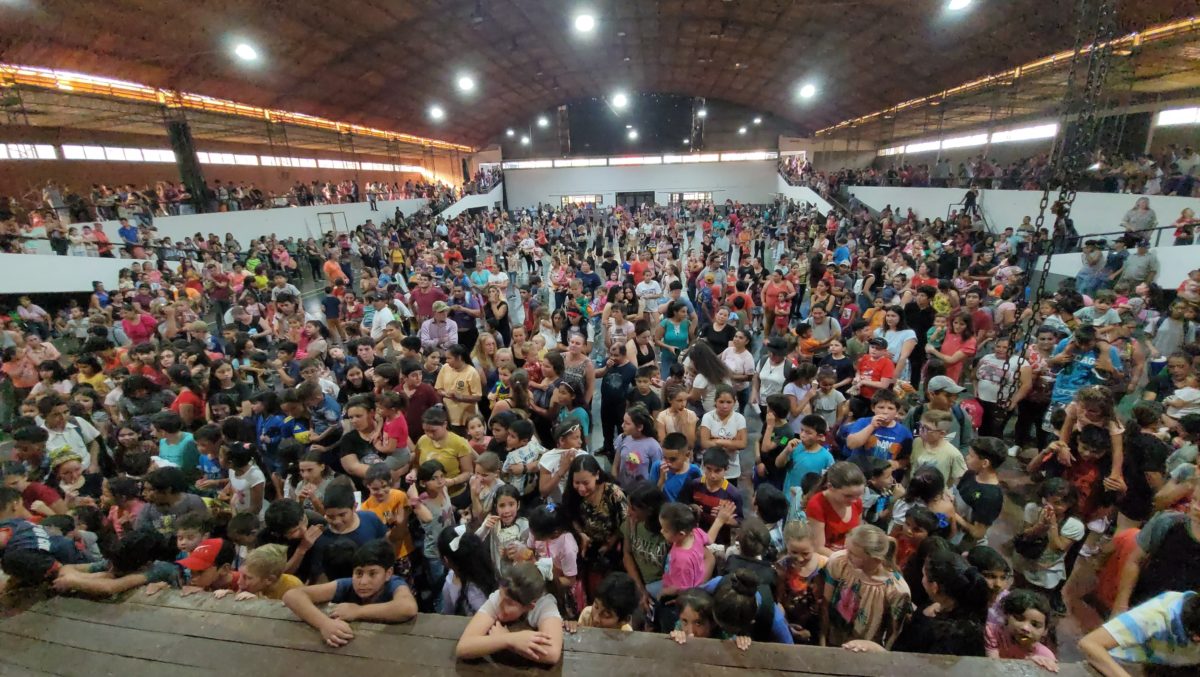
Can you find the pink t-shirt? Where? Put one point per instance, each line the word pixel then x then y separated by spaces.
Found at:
pixel 1000 644
pixel 563 551
pixel 685 568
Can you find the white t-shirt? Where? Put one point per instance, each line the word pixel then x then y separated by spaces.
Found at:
pixel 549 461
pixel 988 372
pixel 1050 569
pixel 76 435
pixel 740 364
pixel 380 321
pixel 242 487
pixel 543 609
pixel 726 430
pixel 771 379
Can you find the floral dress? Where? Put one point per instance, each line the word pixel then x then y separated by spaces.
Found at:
pixel 862 607
pixel 599 523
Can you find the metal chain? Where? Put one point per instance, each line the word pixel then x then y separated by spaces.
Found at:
pixel 1068 158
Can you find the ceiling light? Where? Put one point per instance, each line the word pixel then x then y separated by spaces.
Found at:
pixel 585 23
pixel 245 52
pixel 757 120
pixel 808 91
pixel 509 132
pixel 628 126
pixel 466 83
pixel 632 135
pixel 620 100
pixel 543 121
pixel 524 140
pixel 741 130
pixel 955 5
pixel 687 142
pixel 702 113
pixel 436 112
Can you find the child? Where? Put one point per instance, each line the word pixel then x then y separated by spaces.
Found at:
pixel 209 566
pixel 919 523
pixel 777 444
pixel 1093 405
pixel 1049 530
pixel 706 493
pixel 827 400
pixel 470 576
pixel 372 594
pixel 616 599
pixel 978 498
pixel 191 529
pixel 435 512
pixel 1026 620
pixel 932 448
pixel 806 343
pixel 1183 401
pixel 879 493
pixel 997 572
pixel 391 506
pixel 637 448
pixel 752 551
pixel 551 541
pixel 315 477
pixel 695 617
pixel 520 466
pixel 677 418
pixel 174 446
pixel 936 334
pixel 864 596
pixel 689 563
pixel 675 470
pixel 881 435
pixel 798 575
pixel 804 455
pixel 502 530
pixel 126 503
pixel 644 548
pixel 213 476
pixel 37 498
pixel 483 484
pixel 772 507
pixel 262 575
pixel 247 483
pixel 500 625
pixel 643 390
pixel 477 435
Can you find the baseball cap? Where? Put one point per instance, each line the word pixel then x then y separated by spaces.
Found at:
pixel 877 342
pixel 204 557
pixel 440 306
pixel 778 345
pixel 943 384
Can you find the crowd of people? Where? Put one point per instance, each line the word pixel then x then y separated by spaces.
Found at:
pixel 753 423
pixel 1174 171
pixel 65 205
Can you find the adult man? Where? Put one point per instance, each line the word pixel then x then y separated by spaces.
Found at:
pixel 1163 630
pixel 459 385
pixel 382 317
pixel 919 315
pixel 423 298
pixel 439 332
pixel 465 310
pixel 1141 266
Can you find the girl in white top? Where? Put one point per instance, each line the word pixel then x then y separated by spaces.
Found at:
pixel 740 361
pixel 725 428
pixel 772 373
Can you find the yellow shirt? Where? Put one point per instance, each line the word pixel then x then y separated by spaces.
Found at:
pixel 585 620
pixel 396 501
pixel 463 382
pixel 286 582
pixel 448 452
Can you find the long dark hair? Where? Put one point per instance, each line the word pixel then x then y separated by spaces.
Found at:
pixel 706 362
pixel 571 498
pixel 961 582
pixel 469 558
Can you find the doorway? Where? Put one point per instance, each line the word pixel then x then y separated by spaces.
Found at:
pixel 633 201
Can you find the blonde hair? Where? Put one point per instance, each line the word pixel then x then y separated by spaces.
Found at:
pixel 875 543
pixel 267 561
pixel 796 530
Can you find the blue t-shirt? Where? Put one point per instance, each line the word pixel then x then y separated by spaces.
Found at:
pixel 780 634
pixel 804 462
pixel 1080 373
pixel 183 454
pixel 674 484
pixel 891 444
pixel 345 592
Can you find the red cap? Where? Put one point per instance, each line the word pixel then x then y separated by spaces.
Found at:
pixel 204 557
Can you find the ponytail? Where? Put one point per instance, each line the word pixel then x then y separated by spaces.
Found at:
pixel 734 604
pixel 961 582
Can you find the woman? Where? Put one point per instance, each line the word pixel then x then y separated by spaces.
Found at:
pixel 720 333
pixel 953 623
pixel 1185 227
pixel 836 508
pixel 495 313
pixel 771 376
pixel 1091 274
pixel 483 357
pixel 314 340
pixel 957 349
pixel 560 279
pixel 821 296
pixel 774 288
pixel 1036 384
pixel 597 508
pixel 710 372
pixel 642 348
pixel 1140 219
pixel 740 362
pixel 100 299
pixel 998 375
pixel 188 403
pixel 580 369
pixel 900 339
pixel 544 412
pixel 674 333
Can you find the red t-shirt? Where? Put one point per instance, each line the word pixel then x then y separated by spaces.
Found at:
pixel 189 397
pixel 820 509
pixel 981 320
pixel 637 269
pixel 874 370
pixel 397 429
pixel 954 344
pixel 140 331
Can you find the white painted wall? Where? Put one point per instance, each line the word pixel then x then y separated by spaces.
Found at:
pixel 1174 264
pixel 752 182
pixel 299 222
pixel 491 199
pixel 802 194
pixel 1093 213
pixel 42 274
